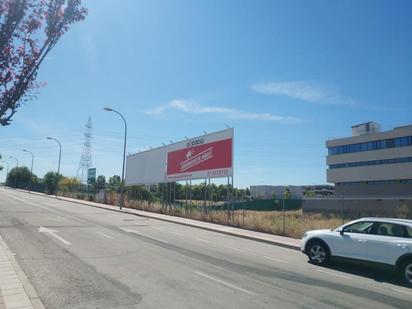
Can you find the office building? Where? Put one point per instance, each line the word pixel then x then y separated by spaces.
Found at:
pixel 371 162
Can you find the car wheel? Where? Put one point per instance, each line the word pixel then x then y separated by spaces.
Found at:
pixel 406 272
pixel 318 253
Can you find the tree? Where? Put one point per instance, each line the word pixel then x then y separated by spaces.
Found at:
pixel 101 182
pixel 114 183
pixel 287 194
pixel 29 29
pixel 70 184
pixel 50 180
pixel 19 177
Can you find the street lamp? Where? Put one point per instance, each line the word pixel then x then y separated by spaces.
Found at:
pixel 17 165
pixel 31 168
pixel 8 166
pixel 108 109
pixel 60 156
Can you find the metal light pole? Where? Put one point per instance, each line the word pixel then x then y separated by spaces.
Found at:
pixel 8 166
pixel 60 156
pixel 124 152
pixel 31 168
pixel 17 165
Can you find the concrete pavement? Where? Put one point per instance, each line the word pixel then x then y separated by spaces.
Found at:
pixel 84 257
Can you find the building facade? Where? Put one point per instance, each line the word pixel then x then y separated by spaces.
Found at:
pixel 371 162
pixel 267 191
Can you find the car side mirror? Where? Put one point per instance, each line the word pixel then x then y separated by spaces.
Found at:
pixel 341 232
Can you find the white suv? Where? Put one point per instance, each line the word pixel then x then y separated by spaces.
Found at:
pixel 377 240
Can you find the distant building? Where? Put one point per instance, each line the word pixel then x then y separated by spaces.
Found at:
pixel 318 190
pixel 267 191
pixel 371 162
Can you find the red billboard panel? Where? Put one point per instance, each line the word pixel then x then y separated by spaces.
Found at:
pixel 209 156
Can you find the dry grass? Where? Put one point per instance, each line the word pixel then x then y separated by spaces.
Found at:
pixel 296 223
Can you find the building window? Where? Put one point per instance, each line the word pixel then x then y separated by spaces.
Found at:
pixel 374 145
pixel 373 162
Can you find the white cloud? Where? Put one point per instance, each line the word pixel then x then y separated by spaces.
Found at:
pixel 310 91
pixel 190 107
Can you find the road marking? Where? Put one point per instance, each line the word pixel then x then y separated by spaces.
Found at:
pixel 104 235
pixel 202 240
pixel 400 291
pixel 332 274
pixel 156 228
pixel 53 233
pixel 236 249
pixel 141 234
pixel 225 283
pixel 275 259
pixel 177 233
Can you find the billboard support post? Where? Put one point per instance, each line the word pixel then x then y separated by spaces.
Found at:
pixel 186 190
pixel 227 199
pixel 190 198
pixel 204 201
pixel 233 203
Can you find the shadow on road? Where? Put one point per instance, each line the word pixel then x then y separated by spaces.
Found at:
pixel 377 274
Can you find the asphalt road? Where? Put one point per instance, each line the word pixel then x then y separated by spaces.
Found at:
pixel 78 256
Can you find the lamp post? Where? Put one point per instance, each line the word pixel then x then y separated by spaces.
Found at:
pixel 31 167
pixel 17 165
pixel 8 166
pixel 124 152
pixel 60 156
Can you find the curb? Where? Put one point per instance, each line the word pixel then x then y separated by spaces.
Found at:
pixel 267 241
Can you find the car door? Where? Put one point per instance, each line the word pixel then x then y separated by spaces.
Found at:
pixel 388 242
pixel 352 242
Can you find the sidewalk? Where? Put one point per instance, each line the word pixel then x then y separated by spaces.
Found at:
pixel 15 289
pixel 287 242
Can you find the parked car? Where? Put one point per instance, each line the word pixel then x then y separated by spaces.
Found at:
pixel 378 241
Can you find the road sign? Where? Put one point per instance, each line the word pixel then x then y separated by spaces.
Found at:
pixel 91 175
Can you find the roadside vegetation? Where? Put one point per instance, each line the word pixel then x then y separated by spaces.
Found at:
pixel 172 199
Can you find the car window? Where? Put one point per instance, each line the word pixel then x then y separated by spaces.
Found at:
pixel 408 232
pixel 364 227
pixel 390 229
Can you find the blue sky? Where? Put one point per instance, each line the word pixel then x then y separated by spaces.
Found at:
pixel 287 75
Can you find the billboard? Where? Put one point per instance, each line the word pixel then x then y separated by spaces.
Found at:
pixel 147 167
pixel 207 156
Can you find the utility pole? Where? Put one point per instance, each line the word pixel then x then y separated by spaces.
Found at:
pixel 58 166
pixel 31 168
pixel 86 157
pixel 17 165
pixel 124 152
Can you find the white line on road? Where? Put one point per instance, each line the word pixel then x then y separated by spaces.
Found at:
pixel 332 274
pixel 53 233
pixel 236 249
pixel 275 259
pixel 156 228
pixel 104 235
pixel 144 235
pixel 225 283
pixel 202 240
pixel 177 233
